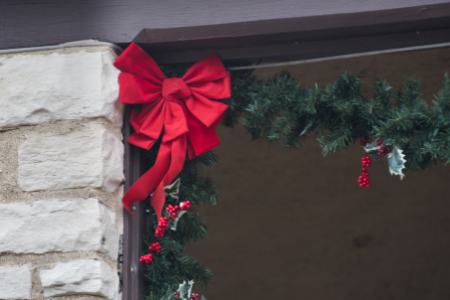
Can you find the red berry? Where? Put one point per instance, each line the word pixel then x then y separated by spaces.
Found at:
pixel 366 161
pixel 363 179
pixel 159 233
pixel 155 247
pixel 163 223
pixel 185 205
pixel 146 258
pixel 383 150
pixel 194 296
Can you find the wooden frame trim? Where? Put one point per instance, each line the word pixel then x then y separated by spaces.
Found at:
pixel 250 31
pixel 134 226
pixel 301 38
pixel 307 50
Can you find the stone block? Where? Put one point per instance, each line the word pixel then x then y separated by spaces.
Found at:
pixel 15 283
pixel 91 157
pixel 54 225
pixel 80 277
pixel 62 84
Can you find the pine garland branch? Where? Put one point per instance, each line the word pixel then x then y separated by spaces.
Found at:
pixel 279 109
pixel 170 267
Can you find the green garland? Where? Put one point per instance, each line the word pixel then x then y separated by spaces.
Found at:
pixel 171 267
pixel 279 109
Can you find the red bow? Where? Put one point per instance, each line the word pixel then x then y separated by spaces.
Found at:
pixel 178 108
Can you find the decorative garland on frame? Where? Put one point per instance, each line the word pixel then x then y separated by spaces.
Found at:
pixel 177 116
pixel 397 125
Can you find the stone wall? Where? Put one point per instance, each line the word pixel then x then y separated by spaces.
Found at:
pixel 61 166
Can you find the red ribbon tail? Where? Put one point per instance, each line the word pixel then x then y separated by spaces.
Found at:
pixel 158 199
pixel 169 164
pixel 178 156
pixel 150 180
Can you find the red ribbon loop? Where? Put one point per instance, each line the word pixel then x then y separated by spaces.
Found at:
pixel 179 109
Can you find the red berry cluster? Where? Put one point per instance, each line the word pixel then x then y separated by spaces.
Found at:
pixel 194 296
pixel 185 205
pixel 366 161
pixel 147 258
pixel 155 247
pixel 383 150
pixel 173 210
pixel 163 223
pixel 364 178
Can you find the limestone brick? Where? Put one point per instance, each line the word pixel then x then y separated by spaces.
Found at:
pixel 54 225
pixel 66 84
pixel 80 277
pixel 90 157
pixel 15 282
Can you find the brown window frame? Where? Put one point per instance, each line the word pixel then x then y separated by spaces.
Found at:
pixel 133 226
pixel 268 41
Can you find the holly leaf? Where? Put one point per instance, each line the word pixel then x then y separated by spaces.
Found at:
pixel 202 298
pixel 185 289
pixel 173 224
pixel 371 147
pixel 374 154
pixel 372 150
pixel 396 162
pixel 191 283
pixel 173 189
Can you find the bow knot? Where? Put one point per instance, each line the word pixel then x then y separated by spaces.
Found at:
pixel 175 89
pixel 179 109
